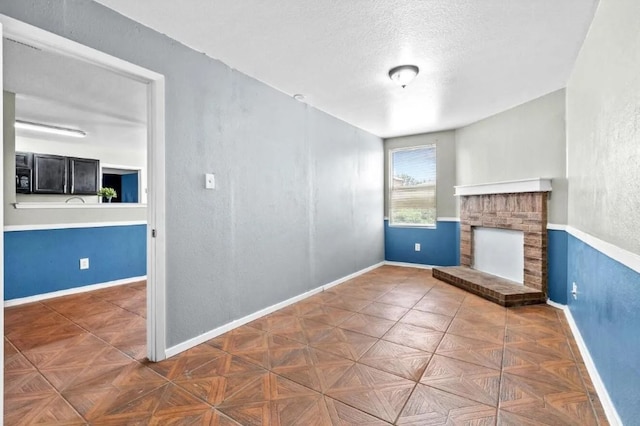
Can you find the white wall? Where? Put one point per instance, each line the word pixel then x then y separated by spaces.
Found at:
pixel 603 110
pixel 524 142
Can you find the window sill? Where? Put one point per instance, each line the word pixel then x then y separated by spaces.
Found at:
pixel 78 205
pixel 413 226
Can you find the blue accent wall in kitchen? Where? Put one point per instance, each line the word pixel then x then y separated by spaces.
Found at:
pixel 130 188
pixel 607 313
pixel 438 246
pixel 43 261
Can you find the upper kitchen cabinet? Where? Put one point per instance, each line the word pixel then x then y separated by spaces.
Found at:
pixel 84 176
pixel 50 174
pixel 56 174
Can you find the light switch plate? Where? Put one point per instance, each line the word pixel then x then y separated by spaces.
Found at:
pixel 209 181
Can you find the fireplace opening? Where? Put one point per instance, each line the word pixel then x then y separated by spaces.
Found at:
pixel 499 252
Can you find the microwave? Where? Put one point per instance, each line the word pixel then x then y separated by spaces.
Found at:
pixel 23 180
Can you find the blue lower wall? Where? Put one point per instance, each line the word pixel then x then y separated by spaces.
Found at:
pixel 43 261
pixel 557 266
pixel 441 246
pixel 438 246
pixel 607 312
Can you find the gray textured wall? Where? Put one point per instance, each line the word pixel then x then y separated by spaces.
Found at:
pixel 445 167
pixel 299 199
pixel 527 141
pixel 603 110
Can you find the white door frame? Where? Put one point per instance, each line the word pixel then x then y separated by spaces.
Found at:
pixel 2 219
pixel 156 240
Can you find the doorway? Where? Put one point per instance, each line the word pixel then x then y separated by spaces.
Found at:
pixel 155 174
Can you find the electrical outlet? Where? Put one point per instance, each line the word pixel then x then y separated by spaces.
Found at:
pixel 574 290
pixel 84 263
pixel 417 248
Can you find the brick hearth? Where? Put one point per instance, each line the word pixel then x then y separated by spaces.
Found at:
pixel 495 289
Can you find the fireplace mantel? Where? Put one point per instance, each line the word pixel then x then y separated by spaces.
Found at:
pixel 507 187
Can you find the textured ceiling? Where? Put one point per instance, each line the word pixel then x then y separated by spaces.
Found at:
pixel 476 57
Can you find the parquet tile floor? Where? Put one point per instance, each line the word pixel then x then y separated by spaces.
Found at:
pixel 393 346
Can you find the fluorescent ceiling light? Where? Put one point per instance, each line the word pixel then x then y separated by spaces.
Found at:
pixel 404 74
pixel 47 128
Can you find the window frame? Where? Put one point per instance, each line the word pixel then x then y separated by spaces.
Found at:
pixel 390 169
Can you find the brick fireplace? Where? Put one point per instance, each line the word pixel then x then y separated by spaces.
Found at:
pixel 519 206
pixel 526 212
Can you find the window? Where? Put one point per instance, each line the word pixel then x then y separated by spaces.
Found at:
pixel 125 181
pixel 412 186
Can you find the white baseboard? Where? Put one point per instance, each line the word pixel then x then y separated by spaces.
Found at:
pixel 75 290
pixel 601 390
pixel 556 305
pixel 195 341
pixel 408 265
pixel 351 276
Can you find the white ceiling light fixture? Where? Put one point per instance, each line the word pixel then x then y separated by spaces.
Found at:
pixel 47 128
pixel 403 74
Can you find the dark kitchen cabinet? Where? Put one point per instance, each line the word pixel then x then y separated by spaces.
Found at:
pixel 55 174
pixel 50 174
pixel 84 176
